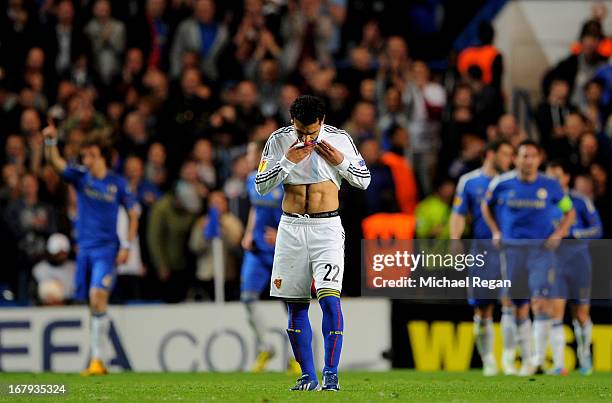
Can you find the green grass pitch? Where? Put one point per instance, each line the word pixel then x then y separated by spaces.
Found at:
pixel 394 386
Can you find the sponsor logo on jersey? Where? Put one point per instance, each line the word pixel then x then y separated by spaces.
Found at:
pixel 457 201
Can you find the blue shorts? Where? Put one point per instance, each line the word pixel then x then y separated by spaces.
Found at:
pixel 480 296
pixel 95 269
pixel 530 268
pixel 573 276
pixel 255 272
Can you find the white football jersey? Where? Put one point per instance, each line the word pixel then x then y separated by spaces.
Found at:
pixel 275 168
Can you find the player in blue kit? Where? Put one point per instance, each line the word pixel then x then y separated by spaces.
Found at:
pixel 258 243
pixel 573 280
pixel 100 192
pixel 524 201
pixel 470 192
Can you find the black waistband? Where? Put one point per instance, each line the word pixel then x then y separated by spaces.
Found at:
pixel 325 214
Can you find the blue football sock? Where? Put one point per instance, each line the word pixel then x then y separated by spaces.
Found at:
pixel 333 327
pixel 300 336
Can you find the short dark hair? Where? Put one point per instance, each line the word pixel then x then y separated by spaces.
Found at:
pixel 495 145
pixel 308 109
pixel 104 145
pixel 529 143
pixel 591 28
pixel 564 165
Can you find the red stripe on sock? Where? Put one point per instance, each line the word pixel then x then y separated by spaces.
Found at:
pixel 331 358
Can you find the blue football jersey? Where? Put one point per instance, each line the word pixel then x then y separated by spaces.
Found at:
pixel 524 210
pixel 471 191
pixel 268 211
pixel 98 203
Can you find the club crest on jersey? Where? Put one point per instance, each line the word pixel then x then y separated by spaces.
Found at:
pixel 457 201
pixel 112 188
pixel 361 163
pixel 262 166
pixel 277 283
pixel 541 193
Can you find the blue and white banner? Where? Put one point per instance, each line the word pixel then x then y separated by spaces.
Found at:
pixel 186 337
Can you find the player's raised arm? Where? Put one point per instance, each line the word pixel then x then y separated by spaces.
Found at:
pixel 51 151
pixel 347 160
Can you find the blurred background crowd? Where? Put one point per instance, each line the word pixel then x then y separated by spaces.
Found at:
pixel 182 86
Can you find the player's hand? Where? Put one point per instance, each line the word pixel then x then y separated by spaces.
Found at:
pixel 247 241
pixel 496 239
pixel 297 153
pixel 122 256
pixel 50 132
pixel 553 241
pixel 270 236
pixel 329 153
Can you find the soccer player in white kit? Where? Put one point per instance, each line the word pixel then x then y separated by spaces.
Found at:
pixel 310 159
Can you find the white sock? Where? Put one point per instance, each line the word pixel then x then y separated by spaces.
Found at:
pixel 557 344
pixel 99 329
pixel 257 323
pixel 509 330
pixel 483 332
pixel 524 339
pixel 583 334
pixel 541 328
pixel 489 338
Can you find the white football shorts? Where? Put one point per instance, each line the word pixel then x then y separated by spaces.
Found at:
pixel 306 249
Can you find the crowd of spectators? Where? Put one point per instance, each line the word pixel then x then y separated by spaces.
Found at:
pixel 182 86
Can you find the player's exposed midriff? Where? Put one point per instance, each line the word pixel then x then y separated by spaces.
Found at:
pixel 311 198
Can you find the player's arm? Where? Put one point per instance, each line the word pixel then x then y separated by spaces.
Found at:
pixel 564 203
pixel 569 217
pixel 487 211
pixel 52 153
pixel 460 210
pixel 347 160
pixel 133 217
pixel 275 165
pixel 594 229
pixel 247 239
pixel 133 211
pixel 456 225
